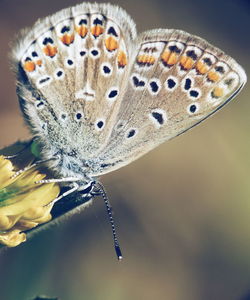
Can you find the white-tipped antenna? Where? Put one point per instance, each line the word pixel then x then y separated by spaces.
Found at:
pixel 101 191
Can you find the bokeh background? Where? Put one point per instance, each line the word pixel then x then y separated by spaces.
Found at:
pixel 182 211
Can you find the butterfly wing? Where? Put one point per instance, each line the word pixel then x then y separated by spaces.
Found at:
pixel 88 88
pixel 177 80
pixel 72 69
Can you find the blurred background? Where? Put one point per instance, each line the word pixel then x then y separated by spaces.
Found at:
pixel 182 211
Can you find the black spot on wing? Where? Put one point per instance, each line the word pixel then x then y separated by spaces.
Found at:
pixel 48 41
pixel 154 86
pixel 112 31
pixel 171 83
pixel 192 54
pixel 113 94
pixel 137 82
pixel 207 61
pixel 131 133
pixel 220 69
pixel 187 85
pixel 65 29
pixel 97 22
pixel 44 80
pixel 174 48
pixel 193 108
pixel 158 117
pixel 194 94
pixel 83 22
pixel 106 69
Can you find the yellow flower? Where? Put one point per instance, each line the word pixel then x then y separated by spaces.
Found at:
pixel 24 204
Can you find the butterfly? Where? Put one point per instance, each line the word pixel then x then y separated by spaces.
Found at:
pixel 97 96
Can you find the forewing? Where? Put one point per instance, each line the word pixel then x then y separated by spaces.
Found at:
pixel 72 70
pixel 177 81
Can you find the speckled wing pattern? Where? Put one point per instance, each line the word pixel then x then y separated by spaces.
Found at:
pixel 89 85
pixel 72 72
pixel 177 80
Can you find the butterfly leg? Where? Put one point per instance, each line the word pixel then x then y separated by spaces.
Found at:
pixel 68 192
pixel 37 163
pixel 58 180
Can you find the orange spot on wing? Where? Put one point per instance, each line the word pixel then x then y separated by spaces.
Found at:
pixel 201 67
pixel 217 92
pixel 213 76
pixel 165 56
pixel 97 30
pixel 67 39
pixel 50 50
pixel 39 62
pixel 146 59
pixel 186 62
pixel 169 58
pixel 82 31
pixel 111 43
pixel 173 58
pixel 122 59
pixel 29 66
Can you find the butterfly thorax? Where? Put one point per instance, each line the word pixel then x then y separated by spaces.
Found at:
pixel 64 157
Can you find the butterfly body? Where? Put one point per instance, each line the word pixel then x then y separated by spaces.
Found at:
pixel 96 96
